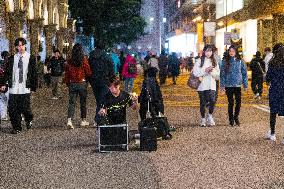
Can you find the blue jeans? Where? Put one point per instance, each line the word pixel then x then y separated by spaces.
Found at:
pixel 128 84
pixel 76 89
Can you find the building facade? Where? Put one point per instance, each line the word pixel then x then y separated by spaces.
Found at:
pixel 44 23
pixel 257 24
pixel 185 26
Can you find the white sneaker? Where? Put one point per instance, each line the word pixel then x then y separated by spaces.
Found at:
pixel 256 95
pixel 84 123
pixel 273 138
pixel 203 122
pixel 210 120
pixel 268 135
pixel 70 124
pixel 54 98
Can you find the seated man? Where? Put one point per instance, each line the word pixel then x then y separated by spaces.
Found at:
pixel 115 102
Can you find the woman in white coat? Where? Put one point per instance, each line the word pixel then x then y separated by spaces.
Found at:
pixel 207 69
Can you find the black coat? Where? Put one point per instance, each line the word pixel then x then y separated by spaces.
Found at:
pixel 151 92
pixel 257 66
pixel 32 75
pixel 102 67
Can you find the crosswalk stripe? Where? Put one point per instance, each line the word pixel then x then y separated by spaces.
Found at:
pixel 266 109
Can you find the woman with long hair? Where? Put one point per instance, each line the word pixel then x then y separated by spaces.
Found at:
pixel 77 72
pixel 207 69
pixel 275 77
pixel 233 76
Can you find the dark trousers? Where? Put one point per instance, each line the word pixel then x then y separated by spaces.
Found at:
pixel 76 89
pixel 99 91
pixel 272 122
pixel 232 92
pixel 257 85
pixel 19 104
pixel 205 97
pixel 163 77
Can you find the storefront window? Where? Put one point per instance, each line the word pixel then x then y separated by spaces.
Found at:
pixel 225 7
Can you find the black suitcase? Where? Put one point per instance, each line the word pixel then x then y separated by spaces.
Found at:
pixel 148 139
pixel 160 123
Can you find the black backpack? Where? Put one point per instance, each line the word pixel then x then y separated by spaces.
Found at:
pixel 132 69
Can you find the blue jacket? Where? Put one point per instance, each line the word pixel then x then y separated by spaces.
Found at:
pixel 116 62
pixel 236 76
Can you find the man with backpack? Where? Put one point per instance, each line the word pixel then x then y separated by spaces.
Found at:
pixel 257 66
pixel 129 72
pixel 56 68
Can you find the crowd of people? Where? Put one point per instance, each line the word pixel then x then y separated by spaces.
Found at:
pixel 21 74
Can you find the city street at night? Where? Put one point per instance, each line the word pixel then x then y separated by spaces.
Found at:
pixel 50 156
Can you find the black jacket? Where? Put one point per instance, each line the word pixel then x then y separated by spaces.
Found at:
pixel 31 75
pixel 101 66
pixel 56 66
pixel 257 66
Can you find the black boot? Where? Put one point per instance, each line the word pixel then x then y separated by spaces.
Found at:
pixel 237 121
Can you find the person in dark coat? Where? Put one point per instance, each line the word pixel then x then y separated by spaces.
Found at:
pixel 257 66
pixel 102 70
pixel 173 67
pixel 163 66
pixel 275 78
pixel 151 93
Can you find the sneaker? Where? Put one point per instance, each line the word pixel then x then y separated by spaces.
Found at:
pixel 15 131
pixel 5 119
pixel 54 98
pixel 210 120
pixel 282 142
pixel 256 95
pixel 84 123
pixel 29 124
pixel 70 124
pixel 268 135
pixel 203 122
pixel 273 137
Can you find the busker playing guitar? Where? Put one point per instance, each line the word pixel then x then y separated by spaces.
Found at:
pixel 115 102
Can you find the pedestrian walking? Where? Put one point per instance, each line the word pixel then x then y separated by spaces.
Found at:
pixel 116 61
pixel 163 67
pixel 153 61
pixel 21 76
pixel 257 66
pixel 4 95
pixel 233 74
pixel 275 78
pixel 102 70
pixel 173 67
pixel 56 67
pixel 207 69
pixel 77 73
pixel 129 73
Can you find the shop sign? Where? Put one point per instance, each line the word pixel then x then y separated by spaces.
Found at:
pixel 227 38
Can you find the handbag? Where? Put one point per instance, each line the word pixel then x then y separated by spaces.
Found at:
pixel 193 81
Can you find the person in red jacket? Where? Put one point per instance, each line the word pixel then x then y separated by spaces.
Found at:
pixel 77 72
pixel 129 72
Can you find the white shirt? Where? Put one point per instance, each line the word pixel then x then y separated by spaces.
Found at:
pixel 267 59
pixel 20 88
pixel 208 80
